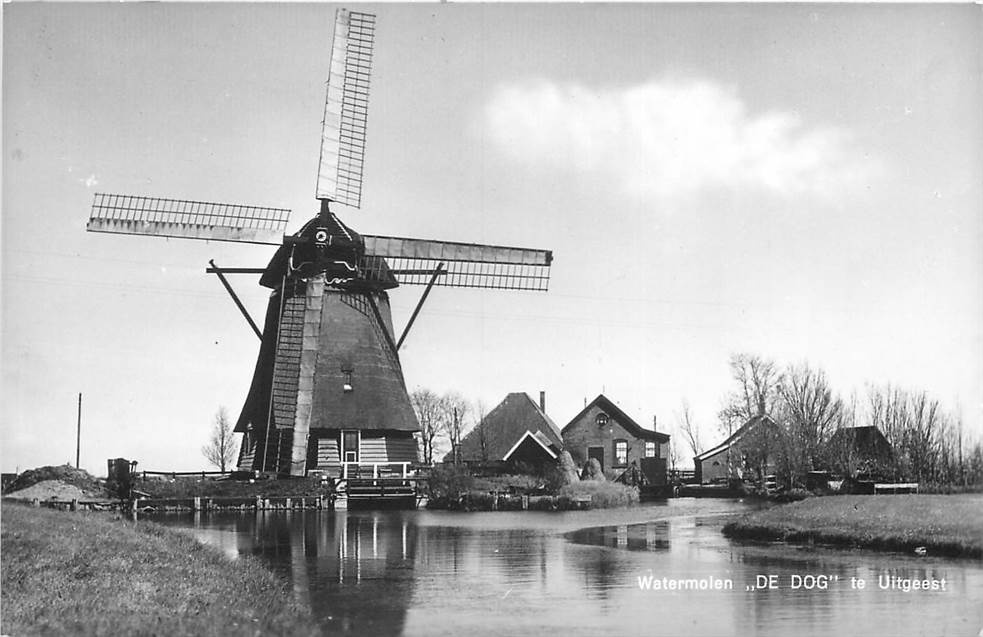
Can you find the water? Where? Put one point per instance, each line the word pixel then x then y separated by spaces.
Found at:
pixel 578 573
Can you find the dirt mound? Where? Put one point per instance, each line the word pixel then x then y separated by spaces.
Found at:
pixel 65 474
pixel 53 490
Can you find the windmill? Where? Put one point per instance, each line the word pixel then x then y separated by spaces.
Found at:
pixel 328 387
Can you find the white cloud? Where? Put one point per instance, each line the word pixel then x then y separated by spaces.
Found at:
pixel 670 138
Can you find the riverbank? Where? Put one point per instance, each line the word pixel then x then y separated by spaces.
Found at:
pixel 91 573
pixel 950 525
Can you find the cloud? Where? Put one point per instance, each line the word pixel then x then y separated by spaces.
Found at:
pixel 670 138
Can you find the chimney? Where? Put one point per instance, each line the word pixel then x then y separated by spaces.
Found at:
pixel 655 423
pixel 542 401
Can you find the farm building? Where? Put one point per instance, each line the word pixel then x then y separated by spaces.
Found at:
pixel 858 450
pixel 603 431
pixel 517 431
pixel 753 448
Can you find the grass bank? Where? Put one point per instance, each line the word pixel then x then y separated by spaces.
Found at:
pixel 88 573
pixel 950 525
pixel 189 487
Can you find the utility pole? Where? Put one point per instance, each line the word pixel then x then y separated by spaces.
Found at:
pixel 78 433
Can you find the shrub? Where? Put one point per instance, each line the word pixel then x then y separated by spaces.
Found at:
pixel 448 484
pixel 603 494
pixel 511 483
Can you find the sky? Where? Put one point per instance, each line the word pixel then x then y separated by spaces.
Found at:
pixel 802 182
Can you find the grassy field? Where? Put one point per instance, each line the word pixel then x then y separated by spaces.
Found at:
pixel 88 573
pixel 944 524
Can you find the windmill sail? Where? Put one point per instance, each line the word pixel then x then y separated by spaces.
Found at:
pixel 467 265
pixel 181 218
pixel 339 173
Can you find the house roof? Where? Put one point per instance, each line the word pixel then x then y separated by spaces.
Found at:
pixel 505 425
pixel 736 436
pixel 867 437
pixel 605 404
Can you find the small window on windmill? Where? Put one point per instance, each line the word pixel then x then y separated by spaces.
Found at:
pixel 347 375
pixel 601 419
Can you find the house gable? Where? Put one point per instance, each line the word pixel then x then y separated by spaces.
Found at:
pixel 604 431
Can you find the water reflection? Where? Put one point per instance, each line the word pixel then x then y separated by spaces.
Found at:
pixel 421 573
pixel 649 536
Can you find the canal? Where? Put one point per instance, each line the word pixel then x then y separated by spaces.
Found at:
pixel 656 569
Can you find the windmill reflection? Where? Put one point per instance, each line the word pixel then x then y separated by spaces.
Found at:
pixel 355 572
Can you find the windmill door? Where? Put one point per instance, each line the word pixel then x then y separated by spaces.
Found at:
pixel 349 446
pixel 598 453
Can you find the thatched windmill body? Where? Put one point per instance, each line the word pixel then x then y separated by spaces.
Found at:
pixel 328 387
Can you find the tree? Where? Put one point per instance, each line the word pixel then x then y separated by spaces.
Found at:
pixel 810 411
pixel 689 429
pixel 429 408
pixel 756 394
pixel 455 408
pixel 480 411
pixel 221 448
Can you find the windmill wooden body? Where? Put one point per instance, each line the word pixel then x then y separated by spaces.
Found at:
pixel 328 388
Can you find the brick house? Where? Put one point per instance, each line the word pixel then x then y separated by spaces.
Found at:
pixel 603 431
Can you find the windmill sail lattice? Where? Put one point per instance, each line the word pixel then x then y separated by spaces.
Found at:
pixel 339 174
pixel 185 219
pixel 466 265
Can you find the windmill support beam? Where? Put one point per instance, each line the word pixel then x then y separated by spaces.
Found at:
pixel 217 270
pixel 228 288
pixel 436 273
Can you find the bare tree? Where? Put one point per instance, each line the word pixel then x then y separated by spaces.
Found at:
pixel 221 448
pixel 479 412
pixel 689 429
pixel 757 390
pixel 455 411
pixel 429 408
pixel 810 411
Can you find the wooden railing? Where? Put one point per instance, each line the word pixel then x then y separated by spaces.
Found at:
pixel 174 475
pixel 359 470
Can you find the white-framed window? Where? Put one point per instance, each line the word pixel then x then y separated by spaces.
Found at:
pixel 650 450
pixel 620 453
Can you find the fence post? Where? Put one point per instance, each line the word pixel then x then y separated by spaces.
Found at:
pixel 258 503
pixel 75 504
